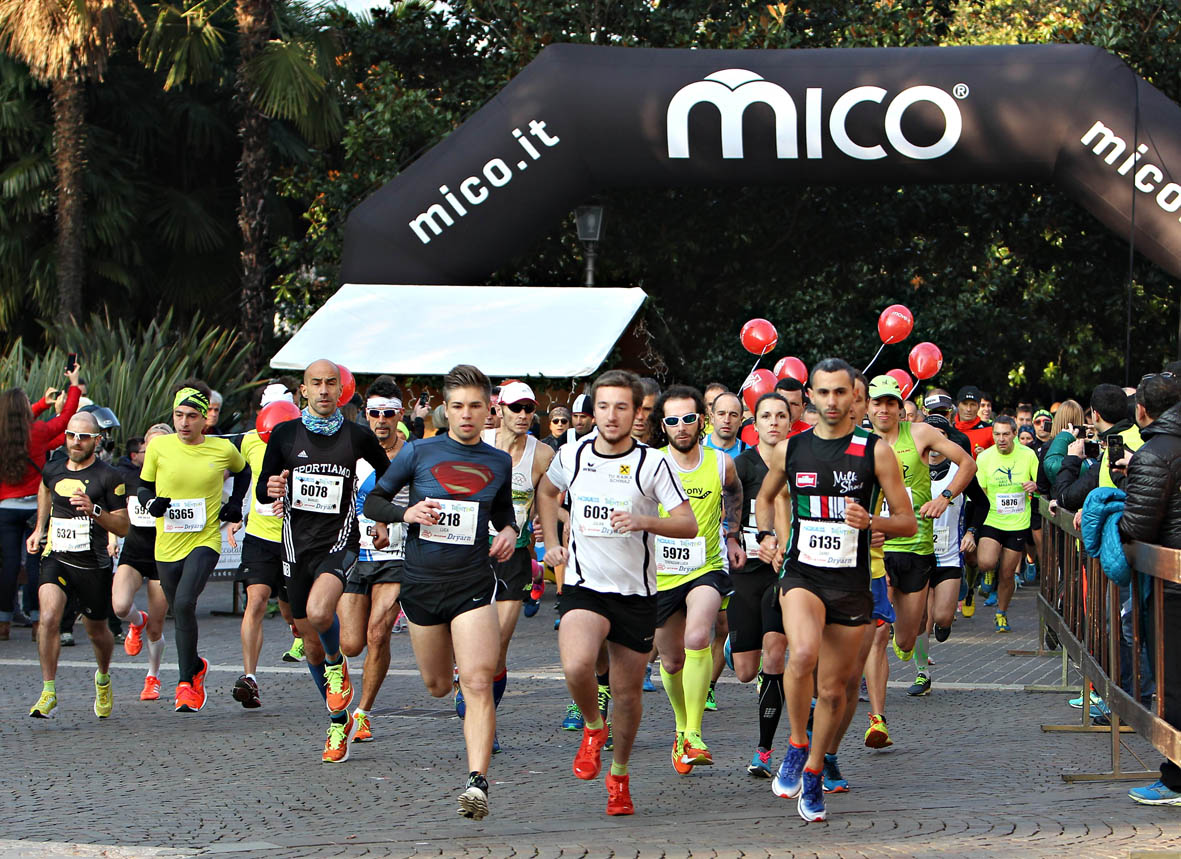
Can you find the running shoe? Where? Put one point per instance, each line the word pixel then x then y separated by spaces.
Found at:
pixel 586 761
pixel 760 763
pixel 711 702
pixel 834 782
pixel 45 705
pixel 811 802
pixel 969 607
pixel 649 686
pixel 245 692
pixel 134 642
pixel 787 782
pixel 557 622
pixel 863 692
pixel 538 590
pixel 679 763
pixel 473 802
pixel 187 699
pixel 988 583
pixel 495 744
pixel 400 625
pixel 295 654
pixel 920 687
pixel 530 608
pixel 340 736
pixel 1002 622
pixel 942 633
pixel 728 653
pixel 1029 574
pixel 573 720
pixel 1077 703
pixel 991 601
pixel 103 697
pixel 878 735
pixel 199 680
pixel 604 701
pixel 1155 794
pixel 904 655
pixel 609 746
pixel 1100 710
pixel 619 798
pixel 67 639
pixel 364 729
pixel 460 703
pixel 695 751
pixel 151 690
pixel 340 689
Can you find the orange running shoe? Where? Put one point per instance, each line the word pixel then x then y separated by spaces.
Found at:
pixel 586 763
pixel 679 763
pixel 151 691
pixel 619 798
pixel 695 751
pixel 134 642
pixel 199 680
pixel 364 732
pixel 340 690
pixel 340 735
pixel 187 699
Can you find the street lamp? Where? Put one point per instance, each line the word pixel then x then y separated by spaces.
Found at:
pixel 589 220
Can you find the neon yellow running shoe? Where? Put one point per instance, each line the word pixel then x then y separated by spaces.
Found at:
pixel 103 699
pixel 45 705
pixel 295 654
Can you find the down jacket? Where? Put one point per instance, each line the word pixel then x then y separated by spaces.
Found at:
pixel 1102 511
pixel 1152 511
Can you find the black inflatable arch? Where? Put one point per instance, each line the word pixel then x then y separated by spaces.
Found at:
pixel 579 119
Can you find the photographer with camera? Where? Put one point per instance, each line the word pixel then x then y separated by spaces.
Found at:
pixel 1112 428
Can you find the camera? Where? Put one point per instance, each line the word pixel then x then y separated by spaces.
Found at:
pixel 1091 449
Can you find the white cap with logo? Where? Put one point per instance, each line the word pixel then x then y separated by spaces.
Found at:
pixel 516 392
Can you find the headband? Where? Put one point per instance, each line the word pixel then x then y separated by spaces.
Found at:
pixel 193 398
pixel 383 403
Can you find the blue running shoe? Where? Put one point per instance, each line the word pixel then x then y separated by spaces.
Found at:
pixel 1029 574
pixel 1155 794
pixel 760 763
pixel 573 720
pixel 834 782
pixel 728 653
pixel 531 607
pixel 787 781
pixel 1100 710
pixel 649 686
pixel 460 704
pixel 557 622
pixel 495 744
pixel 991 599
pixel 811 803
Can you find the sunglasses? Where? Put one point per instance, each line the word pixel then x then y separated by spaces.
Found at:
pixel 383 413
pixel 688 420
pixel 526 407
pixel 559 420
pixel 1164 375
pixel 84 436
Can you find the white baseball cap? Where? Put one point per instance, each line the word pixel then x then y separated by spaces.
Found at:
pixel 515 392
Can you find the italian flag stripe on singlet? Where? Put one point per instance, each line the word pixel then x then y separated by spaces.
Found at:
pixel 820 506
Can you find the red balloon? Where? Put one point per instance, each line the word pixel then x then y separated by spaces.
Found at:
pixel 749 435
pixel 273 414
pixel 759 336
pixel 793 368
pixel 895 324
pixel 904 381
pixel 757 383
pixel 925 360
pixel 348 385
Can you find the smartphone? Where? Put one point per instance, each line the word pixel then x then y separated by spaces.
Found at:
pixel 71 362
pixel 1115 449
pixel 425 398
pixel 1091 449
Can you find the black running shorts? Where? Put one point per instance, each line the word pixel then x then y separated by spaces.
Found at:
pixel 366 574
pixel 632 616
pixel 753 610
pixel 89 589
pixel 946 574
pixel 516 575
pixel 1011 540
pixel 310 566
pixel 439 602
pixel 262 564
pixel 909 572
pixel 846 608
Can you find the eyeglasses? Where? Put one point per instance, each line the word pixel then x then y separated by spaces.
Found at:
pixel 688 420
pixel 84 436
pixel 383 413
pixel 526 407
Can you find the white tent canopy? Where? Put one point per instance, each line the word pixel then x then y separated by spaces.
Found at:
pixel 427 330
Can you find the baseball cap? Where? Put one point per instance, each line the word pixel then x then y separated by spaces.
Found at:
pixel 939 422
pixel 1042 414
pixel 884 386
pixel 515 392
pixel 582 405
pixel 969 392
pixel 938 402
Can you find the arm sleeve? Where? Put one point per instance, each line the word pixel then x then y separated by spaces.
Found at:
pixel 502 515
pixel 666 486
pixel 146 491
pixel 976 505
pixel 272 464
pixel 239 489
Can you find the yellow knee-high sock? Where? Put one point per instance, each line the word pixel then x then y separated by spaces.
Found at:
pixel 676 695
pixel 695 681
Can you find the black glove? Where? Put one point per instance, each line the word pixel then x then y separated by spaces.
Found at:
pixel 158 506
pixel 230 513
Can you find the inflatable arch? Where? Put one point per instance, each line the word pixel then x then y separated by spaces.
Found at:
pixel 580 119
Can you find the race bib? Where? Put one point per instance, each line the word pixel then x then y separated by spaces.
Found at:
pixel 316 493
pixel 594 514
pixel 885 514
pixel 456 525
pixel 1010 503
pixel 827 544
pixel 678 557
pixel 943 541
pixel 185 515
pixel 138 514
pixel 369 533
pixel 70 535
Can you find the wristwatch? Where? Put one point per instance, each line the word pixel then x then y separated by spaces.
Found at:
pixel 96 511
pixel 946 493
pixel 759 536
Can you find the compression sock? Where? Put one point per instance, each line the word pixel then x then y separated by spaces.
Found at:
pixel 498 684
pixel 317 672
pixel 921 644
pixel 330 638
pixel 699 666
pixel 770 708
pixel 101 679
pixel 340 718
pixel 155 654
pixel 676 695
pixel 618 769
pixel 134 616
pixel 49 686
pixel 595 724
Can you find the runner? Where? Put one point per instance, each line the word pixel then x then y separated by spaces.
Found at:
pixel 369 605
pixel 692 575
pixel 793 391
pixel 458 485
pixel 757 644
pixel 83 500
pixel 641 428
pixel 969 421
pixel 1008 473
pixel 726 419
pixel 309 472
pixel 832 474
pixel 616 486
pixel 181 488
pixel 137 564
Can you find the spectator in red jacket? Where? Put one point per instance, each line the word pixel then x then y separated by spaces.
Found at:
pixel 24 444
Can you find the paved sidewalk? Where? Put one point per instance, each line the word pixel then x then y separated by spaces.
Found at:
pixel 971 772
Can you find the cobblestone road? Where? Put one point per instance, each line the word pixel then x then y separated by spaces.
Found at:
pixel 971 772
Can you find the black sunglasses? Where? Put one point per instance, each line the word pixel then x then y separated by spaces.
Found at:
pixel 526 407
pixel 383 413
pixel 1165 375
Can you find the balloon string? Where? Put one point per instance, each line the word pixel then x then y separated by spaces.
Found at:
pixel 875 357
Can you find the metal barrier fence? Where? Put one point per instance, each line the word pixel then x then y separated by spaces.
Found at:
pixel 1081 608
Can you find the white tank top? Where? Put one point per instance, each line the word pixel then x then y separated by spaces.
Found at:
pixel 523 490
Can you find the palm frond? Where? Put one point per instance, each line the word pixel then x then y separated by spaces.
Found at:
pixel 283 79
pixel 186 222
pixel 185 43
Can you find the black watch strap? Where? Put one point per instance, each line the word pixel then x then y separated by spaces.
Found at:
pixel 761 534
